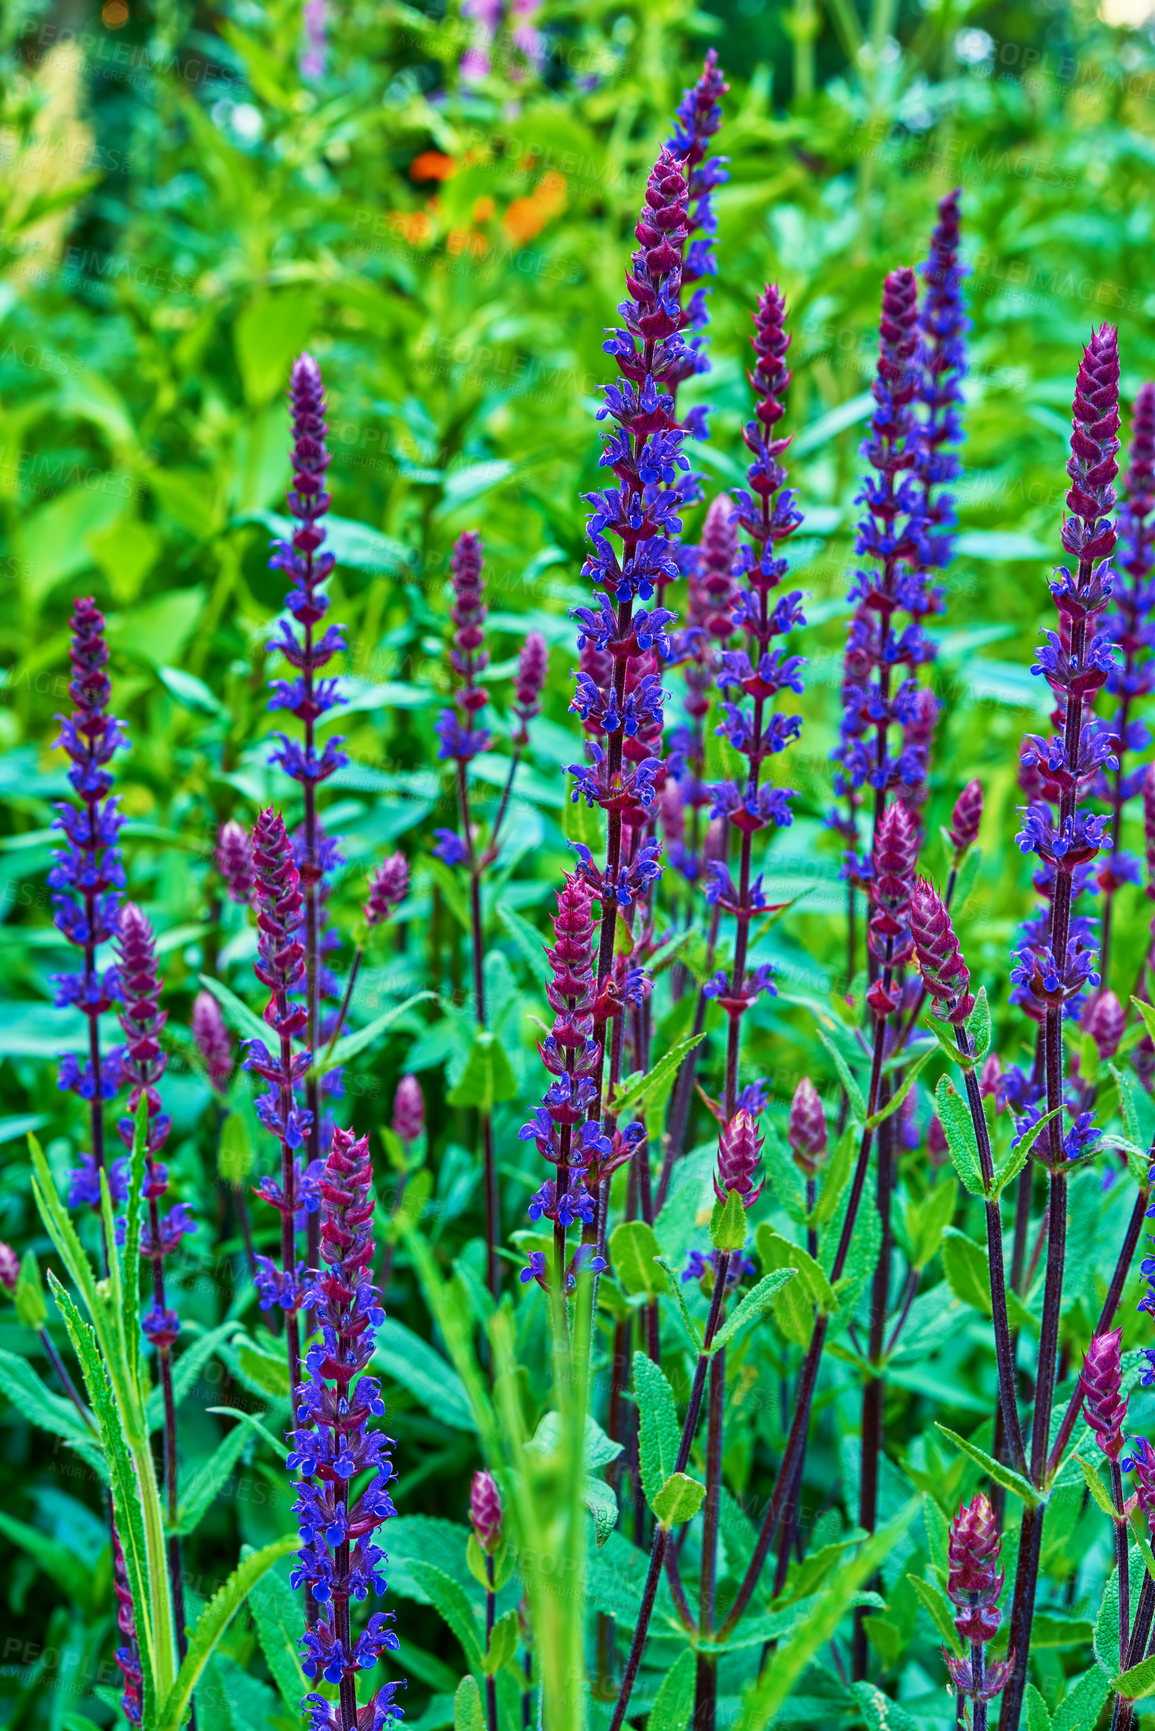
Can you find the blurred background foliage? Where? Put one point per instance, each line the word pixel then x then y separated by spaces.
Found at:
pixel 181 212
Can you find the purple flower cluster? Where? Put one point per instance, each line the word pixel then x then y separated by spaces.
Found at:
pixel 619 691
pixel 893 535
pixel 943 324
pixel 144 1064
pixel 1101 1385
pixel 86 881
pixel 234 858
pixel 280 966
pixel 940 960
pixel 698 118
pixel 581 1154
pixel 974 1583
pixel 889 938
pixel 334 1444
pixel 212 1040
pixel 1056 957
pixel 755 677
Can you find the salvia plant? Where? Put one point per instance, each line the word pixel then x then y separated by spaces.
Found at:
pixel 665 1304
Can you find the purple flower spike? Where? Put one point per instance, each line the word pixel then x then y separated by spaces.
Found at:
pixel 388 887
pixel 943 324
pixel 532 667
pixel 806 1128
pixel 967 816
pixel 144 1064
pixel 460 735
pixel 408 1110
pixel 1140 1460
pixel 335 1443
pixel 974 1582
pixel 87 877
pixel 940 960
pixel 739 1151
pixel 891 887
pixel 485 1511
pixel 1101 1385
pixel 212 1040
pixel 234 859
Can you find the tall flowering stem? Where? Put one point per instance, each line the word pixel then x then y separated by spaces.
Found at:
pixel 86 881
pixel 946 977
pixel 974 1582
pixel 1101 1386
pixel 755 676
pixel 280 966
pixel 1075 663
pixel 462 736
pixel 309 695
pixel 334 1443
pixel 739 1149
pixel 1131 627
pixel 145 1061
pixel 643 451
pixel 943 326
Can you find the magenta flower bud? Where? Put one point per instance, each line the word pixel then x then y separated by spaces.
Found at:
pixel 532 667
pixel 1101 1385
pixel 9 1267
pixel 967 816
pixel 940 961
pixel 388 887
pixel 1089 532
pixel 485 1511
pixel 739 1151
pixel 936 1143
pixel 806 1127
pixel 408 1110
pixel 212 1040
pixel 1105 1022
pixel 974 1579
pixel 235 862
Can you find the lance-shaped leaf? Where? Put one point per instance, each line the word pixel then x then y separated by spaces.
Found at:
pixel 488 1075
pixel 651 1087
pixel 679 1500
pixel 1002 1475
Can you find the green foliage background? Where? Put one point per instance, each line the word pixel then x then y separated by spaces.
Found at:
pixel 179 215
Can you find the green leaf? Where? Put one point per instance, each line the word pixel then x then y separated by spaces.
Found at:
pixel 1096 1487
pixel 255 1424
pixel 659 1432
pixel 40 1405
pixel 775 1252
pixel 1017 1158
pixel 967 1270
pixel 634 1250
pixel 833 1181
pixel 202 1488
pixel 652 1087
pixel 449 1601
pixel 349 1045
pixel 502 1644
pixel 845 1074
pixel 936 1603
pixel 70 1573
pixel 1038 1716
pixel 467 1714
pixel 679 1499
pixel 237 1014
pixel 728 1223
pixel 279 1615
pixel 960 1135
pixel 693 1332
pixel 1080 1707
pixel 488 1075
pixel 927 1220
pixel 978 1026
pixel 235 1151
pixel 421 1369
pixel 1147 1013
pixel 769 1693
pixel 212 1623
pixel 1002 1475
pixel 31 1307
pixel 755 1303
pixel 1137 1682
pixel 900 1094
pixel 674 1701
